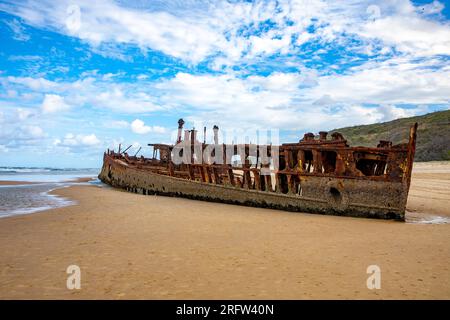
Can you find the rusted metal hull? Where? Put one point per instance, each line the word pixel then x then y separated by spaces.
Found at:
pixel 369 199
pixel 315 175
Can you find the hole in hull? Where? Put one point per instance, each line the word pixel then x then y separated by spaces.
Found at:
pixel 336 195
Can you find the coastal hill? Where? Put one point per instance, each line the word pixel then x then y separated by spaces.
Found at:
pixel 433 134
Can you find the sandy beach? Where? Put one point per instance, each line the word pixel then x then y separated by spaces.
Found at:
pixel 130 246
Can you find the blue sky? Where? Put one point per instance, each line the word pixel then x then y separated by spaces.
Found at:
pixel 77 77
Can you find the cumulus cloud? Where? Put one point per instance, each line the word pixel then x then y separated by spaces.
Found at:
pixel 71 140
pixel 369 93
pixel 33 132
pixel 36 84
pixel 15 134
pixel 119 97
pixel 391 112
pixel 139 127
pixel 89 140
pixel 54 103
pixel 90 90
pixel 280 99
pixel 410 34
pixel 24 114
pixel 394 81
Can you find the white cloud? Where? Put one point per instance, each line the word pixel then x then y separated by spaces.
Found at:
pixel 89 140
pixel 158 129
pixel 410 34
pixel 281 99
pixel 434 7
pixel 24 58
pixel 34 131
pixel 391 112
pixel 394 81
pixel 24 114
pixel 3 149
pixel 235 32
pixel 53 103
pixel 32 83
pixel 268 45
pixel 129 98
pixel 71 140
pixel 139 127
pixel 104 21
pixel 142 77
pixel 372 92
pixel 15 133
pixel 91 90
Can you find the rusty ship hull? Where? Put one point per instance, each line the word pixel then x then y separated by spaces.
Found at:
pixel 356 182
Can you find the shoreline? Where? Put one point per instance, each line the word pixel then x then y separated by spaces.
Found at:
pixel 29 197
pixel 16 183
pixel 419 205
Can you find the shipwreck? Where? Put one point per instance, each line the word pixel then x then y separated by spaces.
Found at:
pixel 318 174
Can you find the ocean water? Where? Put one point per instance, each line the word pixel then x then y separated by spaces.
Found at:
pixel 45 174
pixel 29 198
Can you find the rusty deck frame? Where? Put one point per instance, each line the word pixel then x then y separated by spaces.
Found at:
pixel 316 175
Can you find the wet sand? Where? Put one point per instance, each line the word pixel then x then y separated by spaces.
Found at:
pixel 81 180
pixel 152 247
pixel 14 183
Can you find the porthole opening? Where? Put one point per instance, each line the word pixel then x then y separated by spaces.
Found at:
pixel 336 195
